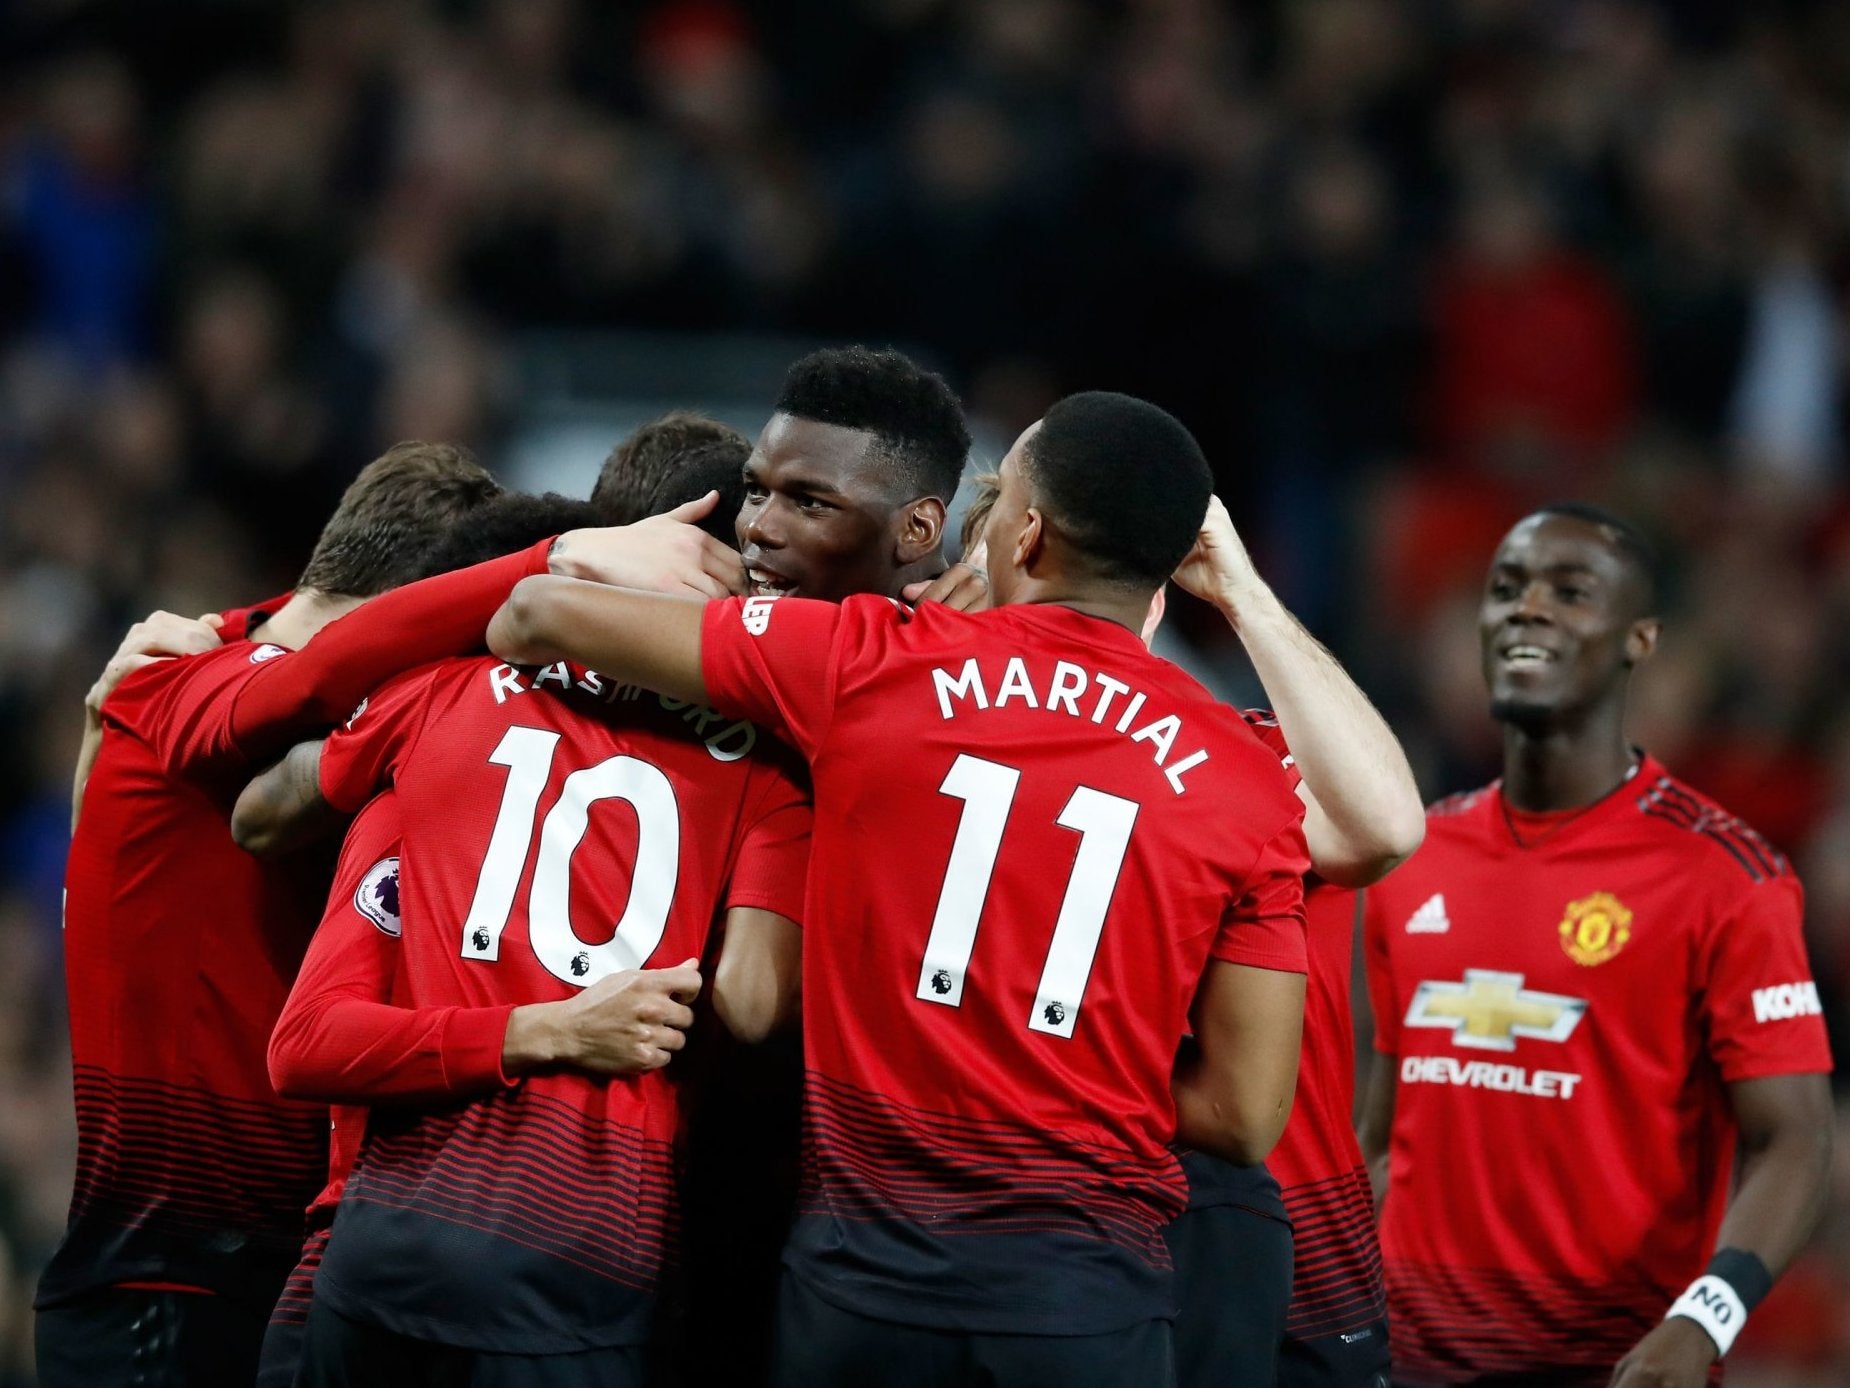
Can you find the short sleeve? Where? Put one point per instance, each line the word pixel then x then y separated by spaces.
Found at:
pixel 1758 999
pixel 1264 725
pixel 1265 928
pixel 360 758
pixel 772 660
pixel 1381 995
pixel 772 868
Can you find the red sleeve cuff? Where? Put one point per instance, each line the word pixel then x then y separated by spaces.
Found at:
pixel 1284 961
pixel 471 1046
pixel 1766 1069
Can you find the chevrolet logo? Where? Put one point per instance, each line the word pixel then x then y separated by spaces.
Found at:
pixel 1489 1010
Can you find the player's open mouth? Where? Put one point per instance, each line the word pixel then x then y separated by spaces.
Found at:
pixel 768 585
pixel 1527 657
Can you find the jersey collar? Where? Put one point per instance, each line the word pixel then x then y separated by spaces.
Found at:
pixel 1646 772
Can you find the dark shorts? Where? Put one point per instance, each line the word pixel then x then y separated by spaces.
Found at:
pixel 282 1341
pixel 118 1338
pixel 342 1353
pixel 1354 1359
pixel 1233 1286
pixel 820 1345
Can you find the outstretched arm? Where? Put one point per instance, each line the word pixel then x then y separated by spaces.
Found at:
pixel 1363 814
pixel 628 636
pixel 1785 1123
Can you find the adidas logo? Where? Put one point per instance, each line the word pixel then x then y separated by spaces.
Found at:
pixel 1430 919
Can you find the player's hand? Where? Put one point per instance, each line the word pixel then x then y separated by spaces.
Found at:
pixel 962 588
pixel 158 636
pixel 1218 569
pixel 630 1022
pixel 1676 1354
pixel 663 554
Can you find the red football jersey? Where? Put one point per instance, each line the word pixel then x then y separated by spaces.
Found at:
pixel 1566 1006
pixel 1032 835
pixel 179 948
pixel 557 829
pixel 1336 1267
pixel 359 933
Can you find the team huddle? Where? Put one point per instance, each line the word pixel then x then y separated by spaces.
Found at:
pixel 759 952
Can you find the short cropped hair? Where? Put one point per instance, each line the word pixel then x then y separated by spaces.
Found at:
pixel 396 512
pixel 1627 540
pixel 718 466
pixel 638 469
pixel 914 416
pixel 512 521
pixel 1123 481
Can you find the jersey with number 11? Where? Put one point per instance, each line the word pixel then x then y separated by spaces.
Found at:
pixel 1031 836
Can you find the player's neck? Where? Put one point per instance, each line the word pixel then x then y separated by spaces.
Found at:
pixel 1111 604
pixel 1564 768
pixel 927 568
pixel 307 612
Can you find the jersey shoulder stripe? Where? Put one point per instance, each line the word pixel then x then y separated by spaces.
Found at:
pixel 1673 803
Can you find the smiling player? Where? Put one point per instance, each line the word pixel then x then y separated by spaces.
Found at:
pixel 1588 984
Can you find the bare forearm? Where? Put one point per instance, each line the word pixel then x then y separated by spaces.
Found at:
pixel 283 808
pixel 1211 1120
pixel 757 984
pixel 1780 1199
pixel 1349 757
pixel 625 635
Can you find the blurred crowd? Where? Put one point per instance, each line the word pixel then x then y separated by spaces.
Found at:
pixel 1406 268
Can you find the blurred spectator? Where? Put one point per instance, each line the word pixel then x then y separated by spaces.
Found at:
pixel 85 216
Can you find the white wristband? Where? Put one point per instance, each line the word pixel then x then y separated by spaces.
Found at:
pixel 1715 1306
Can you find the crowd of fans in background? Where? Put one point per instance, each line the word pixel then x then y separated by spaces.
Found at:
pixel 1406 268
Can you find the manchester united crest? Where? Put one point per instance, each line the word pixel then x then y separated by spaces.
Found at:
pixel 1595 928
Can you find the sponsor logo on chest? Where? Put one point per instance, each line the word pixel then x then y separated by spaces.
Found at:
pixel 1490 1009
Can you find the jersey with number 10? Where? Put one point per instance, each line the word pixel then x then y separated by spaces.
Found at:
pixel 557 829
pixel 1031 837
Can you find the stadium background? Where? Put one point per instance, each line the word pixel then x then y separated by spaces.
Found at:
pixel 1406 268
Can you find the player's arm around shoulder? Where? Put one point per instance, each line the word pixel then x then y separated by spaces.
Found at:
pixel 284 808
pixel 632 637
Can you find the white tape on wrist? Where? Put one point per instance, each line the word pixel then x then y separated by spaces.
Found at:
pixel 1715 1306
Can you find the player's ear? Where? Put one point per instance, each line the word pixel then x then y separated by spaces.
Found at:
pixel 1031 541
pixel 1159 604
pixel 921 530
pixel 1641 640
